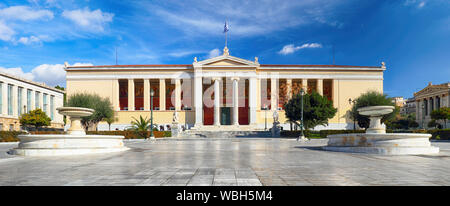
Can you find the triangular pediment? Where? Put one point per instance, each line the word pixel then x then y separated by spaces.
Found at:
pixel 432 88
pixel 227 61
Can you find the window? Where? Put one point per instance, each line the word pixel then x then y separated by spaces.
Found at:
pixel 45 103
pixel 10 99
pixel 28 100
pixel 52 104
pixel 11 127
pixel 36 100
pixel 19 101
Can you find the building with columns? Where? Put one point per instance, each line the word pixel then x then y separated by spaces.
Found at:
pixel 19 96
pixel 431 98
pixel 221 93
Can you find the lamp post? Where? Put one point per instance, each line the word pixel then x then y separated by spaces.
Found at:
pixel 302 136
pixel 350 101
pixel 265 119
pixel 152 93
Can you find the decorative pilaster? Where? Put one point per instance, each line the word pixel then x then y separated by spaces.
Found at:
pixel 216 101
pixel 273 94
pixel 5 99
pixel 116 95
pixel 235 100
pixel 131 95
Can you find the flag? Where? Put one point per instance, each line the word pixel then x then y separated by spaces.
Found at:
pixel 225 27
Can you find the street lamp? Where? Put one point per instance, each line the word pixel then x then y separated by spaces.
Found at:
pixel 350 101
pixel 302 136
pixel 152 93
pixel 265 119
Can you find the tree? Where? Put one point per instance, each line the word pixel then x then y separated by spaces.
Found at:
pixel 110 120
pixel 317 110
pixel 102 107
pixel 36 118
pixel 372 98
pixel 442 113
pixel 141 126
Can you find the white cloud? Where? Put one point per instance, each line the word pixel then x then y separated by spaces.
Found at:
pixel 419 4
pixel 17 71
pixel 94 21
pixel 25 13
pixel 214 53
pixel 6 33
pixel 50 74
pixel 290 48
pixel 29 40
pixel 245 18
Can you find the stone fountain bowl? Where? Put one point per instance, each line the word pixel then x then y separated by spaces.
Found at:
pixel 375 110
pixel 75 111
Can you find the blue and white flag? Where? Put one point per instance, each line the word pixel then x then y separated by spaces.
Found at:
pixel 225 27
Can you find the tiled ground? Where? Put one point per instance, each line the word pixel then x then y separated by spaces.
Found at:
pixel 228 162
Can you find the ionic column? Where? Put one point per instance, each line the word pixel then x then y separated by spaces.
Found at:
pixel 253 91
pixel 198 101
pixel 131 95
pixel 116 95
pixel 305 85
pixel 320 86
pixel 235 101
pixel 216 101
pixel 289 88
pixel 14 99
pixel 146 94
pixel 162 94
pixel 177 94
pixel 273 94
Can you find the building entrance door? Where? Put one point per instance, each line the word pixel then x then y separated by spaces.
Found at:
pixel 225 115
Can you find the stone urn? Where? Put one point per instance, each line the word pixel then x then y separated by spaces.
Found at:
pixel 375 114
pixel 75 114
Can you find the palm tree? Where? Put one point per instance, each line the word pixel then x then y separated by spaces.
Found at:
pixel 141 126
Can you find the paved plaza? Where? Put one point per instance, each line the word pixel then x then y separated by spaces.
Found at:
pixel 237 161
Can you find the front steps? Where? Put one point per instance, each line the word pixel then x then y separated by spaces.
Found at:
pixel 224 134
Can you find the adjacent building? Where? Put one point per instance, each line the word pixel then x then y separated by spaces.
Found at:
pixel 19 96
pixel 409 107
pixel 221 93
pixel 431 98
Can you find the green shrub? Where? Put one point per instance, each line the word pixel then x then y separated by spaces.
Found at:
pixel 9 136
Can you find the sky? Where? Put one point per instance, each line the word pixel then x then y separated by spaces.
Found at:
pixel 411 36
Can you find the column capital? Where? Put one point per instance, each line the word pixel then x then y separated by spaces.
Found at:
pixel 234 78
pixel 217 78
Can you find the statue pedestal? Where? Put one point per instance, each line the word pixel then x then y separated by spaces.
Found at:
pixel 175 129
pixel 276 129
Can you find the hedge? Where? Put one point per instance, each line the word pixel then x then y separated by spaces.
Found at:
pixel 11 136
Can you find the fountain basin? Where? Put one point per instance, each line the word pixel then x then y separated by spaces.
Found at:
pixel 384 144
pixel 56 145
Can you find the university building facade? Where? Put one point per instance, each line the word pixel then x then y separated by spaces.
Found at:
pixel 221 93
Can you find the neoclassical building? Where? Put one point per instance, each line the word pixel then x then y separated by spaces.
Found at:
pixel 19 96
pixel 430 98
pixel 221 93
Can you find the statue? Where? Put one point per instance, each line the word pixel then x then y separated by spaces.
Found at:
pixel 175 117
pixel 195 59
pixel 275 116
pixel 276 128
pixel 256 60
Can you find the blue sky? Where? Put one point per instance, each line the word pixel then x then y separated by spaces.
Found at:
pixel 411 36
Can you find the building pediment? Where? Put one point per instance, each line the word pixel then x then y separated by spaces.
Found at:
pixel 430 89
pixel 225 60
